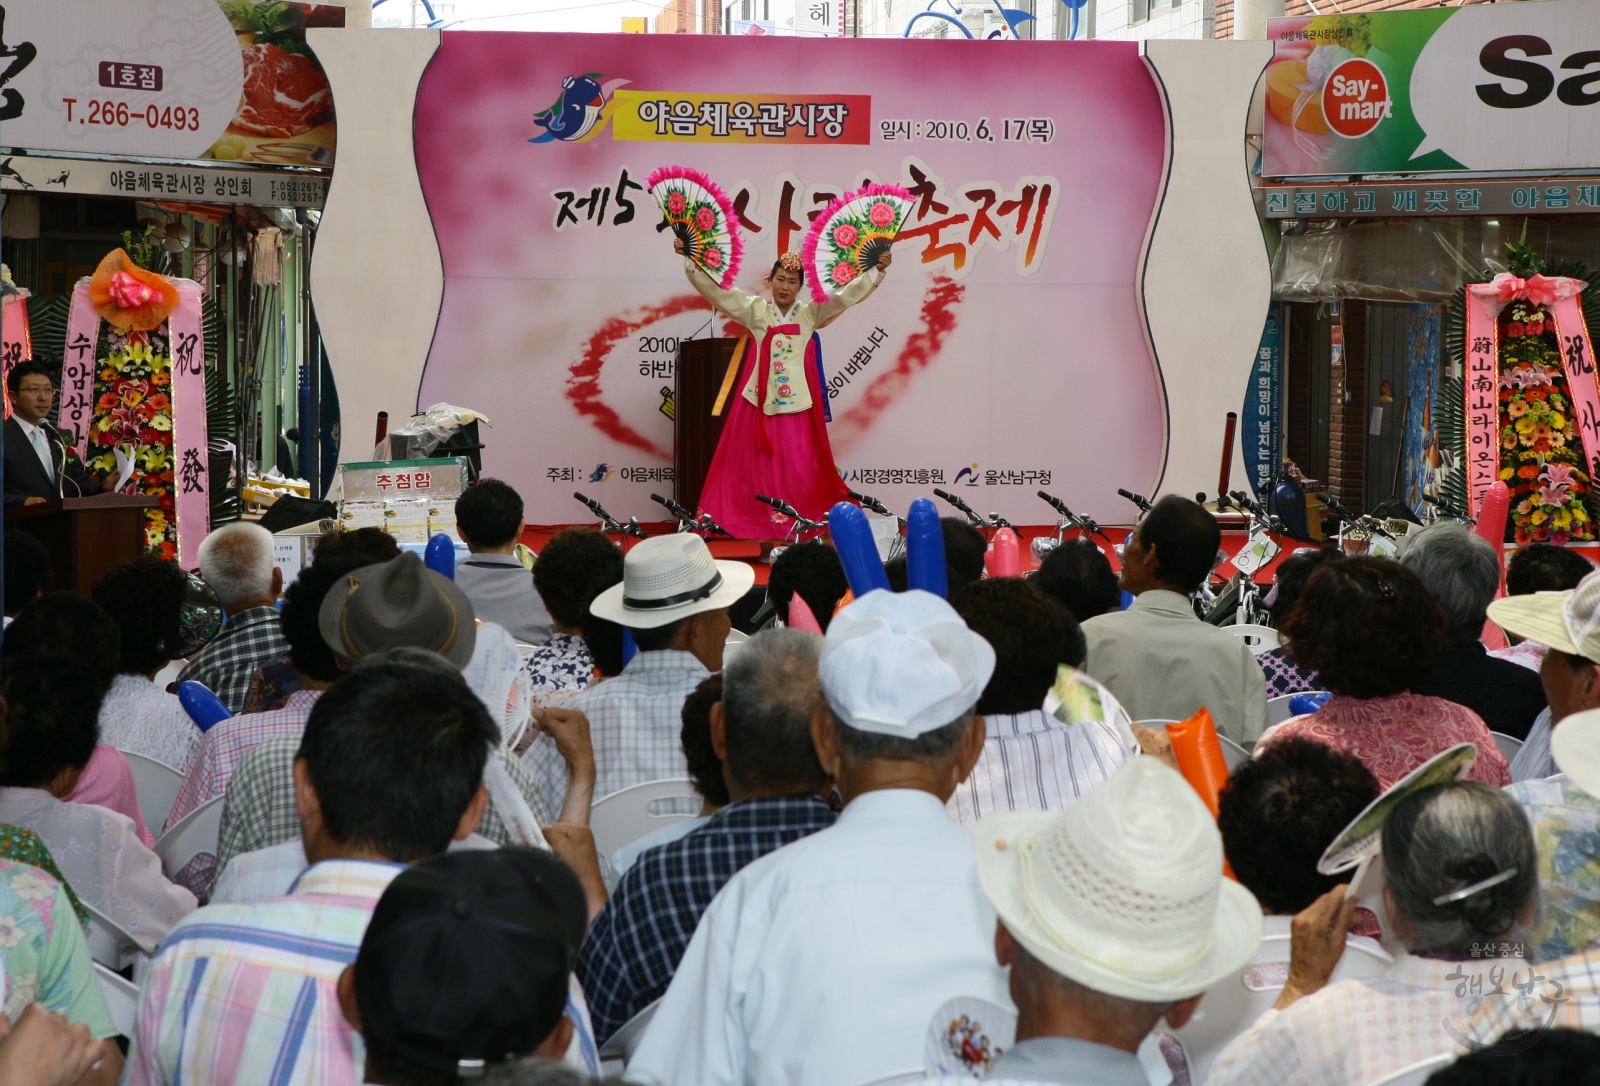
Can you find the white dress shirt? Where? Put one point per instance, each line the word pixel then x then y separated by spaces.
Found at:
pixel 138 715
pixel 103 860
pixel 271 872
pixel 39 441
pixel 1163 663
pixel 821 964
pixel 1034 762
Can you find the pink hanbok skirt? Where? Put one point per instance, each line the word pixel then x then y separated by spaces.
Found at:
pixel 781 456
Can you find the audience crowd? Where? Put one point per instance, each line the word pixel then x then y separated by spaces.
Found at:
pixel 589 813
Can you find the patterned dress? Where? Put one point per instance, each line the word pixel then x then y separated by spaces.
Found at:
pixel 1395 734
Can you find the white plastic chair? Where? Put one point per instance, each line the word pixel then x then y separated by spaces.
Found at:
pixel 112 945
pixel 1232 753
pixel 1259 638
pixel 735 642
pixel 1232 1005
pixel 1278 708
pixel 157 784
pixel 1509 744
pixel 622 1044
pixel 623 817
pixel 122 998
pixel 194 833
pixel 1416 1074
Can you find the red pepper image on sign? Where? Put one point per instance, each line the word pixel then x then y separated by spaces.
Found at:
pixel 1355 98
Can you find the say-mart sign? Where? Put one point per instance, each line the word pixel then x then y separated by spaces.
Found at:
pixel 1480 87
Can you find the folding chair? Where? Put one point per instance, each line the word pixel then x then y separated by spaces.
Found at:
pixel 122 998
pixel 157 784
pixel 194 833
pixel 1509 744
pixel 623 817
pixel 1259 638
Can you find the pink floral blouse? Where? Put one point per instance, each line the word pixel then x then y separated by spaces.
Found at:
pixel 1393 735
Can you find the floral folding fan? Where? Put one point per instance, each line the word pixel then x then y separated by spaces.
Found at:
pixel 701 215
pixel 846 240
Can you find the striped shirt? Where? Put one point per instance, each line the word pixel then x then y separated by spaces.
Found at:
pixel 230 740
pixel 247 994
pixel 1034 762
pixel 1534 761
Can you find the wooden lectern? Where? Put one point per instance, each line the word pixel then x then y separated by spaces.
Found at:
pixel 85 536
pixel 697 373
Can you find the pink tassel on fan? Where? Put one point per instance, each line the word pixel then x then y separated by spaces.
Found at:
pixel 808 248
pixel 800 616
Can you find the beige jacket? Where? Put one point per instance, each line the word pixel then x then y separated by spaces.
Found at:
pixel 1163 663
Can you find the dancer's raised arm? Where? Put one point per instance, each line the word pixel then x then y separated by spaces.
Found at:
pixel 735 303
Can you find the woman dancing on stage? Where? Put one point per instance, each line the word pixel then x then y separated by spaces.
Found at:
pixel 774 439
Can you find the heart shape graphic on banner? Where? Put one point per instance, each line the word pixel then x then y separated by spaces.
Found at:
pixel 937 318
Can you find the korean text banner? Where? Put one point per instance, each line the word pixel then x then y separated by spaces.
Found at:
pixel 1480 87
pixel 1004 352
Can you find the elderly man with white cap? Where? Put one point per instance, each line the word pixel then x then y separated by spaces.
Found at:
pixel 674 599
pixel 1113 915
pixel 821 964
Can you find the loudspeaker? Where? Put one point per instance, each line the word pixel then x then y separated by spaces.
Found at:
pixel 291 512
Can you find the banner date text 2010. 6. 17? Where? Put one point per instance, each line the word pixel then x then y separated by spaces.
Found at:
pixel 121 114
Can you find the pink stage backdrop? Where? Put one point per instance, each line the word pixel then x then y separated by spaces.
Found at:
pixel 1003 354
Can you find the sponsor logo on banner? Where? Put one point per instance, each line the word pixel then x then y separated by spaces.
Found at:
pixel 1355 98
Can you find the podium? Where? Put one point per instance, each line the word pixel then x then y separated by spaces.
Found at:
pixel 697 376
pixel 85 536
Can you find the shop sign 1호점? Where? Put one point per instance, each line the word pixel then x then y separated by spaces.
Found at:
pixel 176 79
pixel 1505 87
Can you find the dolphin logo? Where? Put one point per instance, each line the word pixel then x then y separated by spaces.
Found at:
pixel 579 112
pixel 601 473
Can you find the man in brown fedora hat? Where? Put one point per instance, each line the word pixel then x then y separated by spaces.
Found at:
pixel 395 604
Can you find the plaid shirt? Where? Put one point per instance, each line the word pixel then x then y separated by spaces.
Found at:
pixel 245 994
pixel 229 741
pixel 1563 994
pixel 634 945
pixel 259 810
pixel 247 641
pixel 635 721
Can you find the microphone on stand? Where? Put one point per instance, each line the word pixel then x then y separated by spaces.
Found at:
pixel 608 520
pixel 972 518
pixel 788 510
pixel 870 503
pixel 1001 522
pixel 684 516
pixel 1137 499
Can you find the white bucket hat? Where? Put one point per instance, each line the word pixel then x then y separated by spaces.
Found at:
pixel 1123 890
pixel 1568 622
pixel 902 664
pixel 668 577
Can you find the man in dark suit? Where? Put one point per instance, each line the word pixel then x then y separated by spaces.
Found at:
pixel 37 469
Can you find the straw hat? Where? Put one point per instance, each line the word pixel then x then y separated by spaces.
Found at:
pixel 1568 622
pixel 1123 890
pixel 394 603
pixel 668 577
